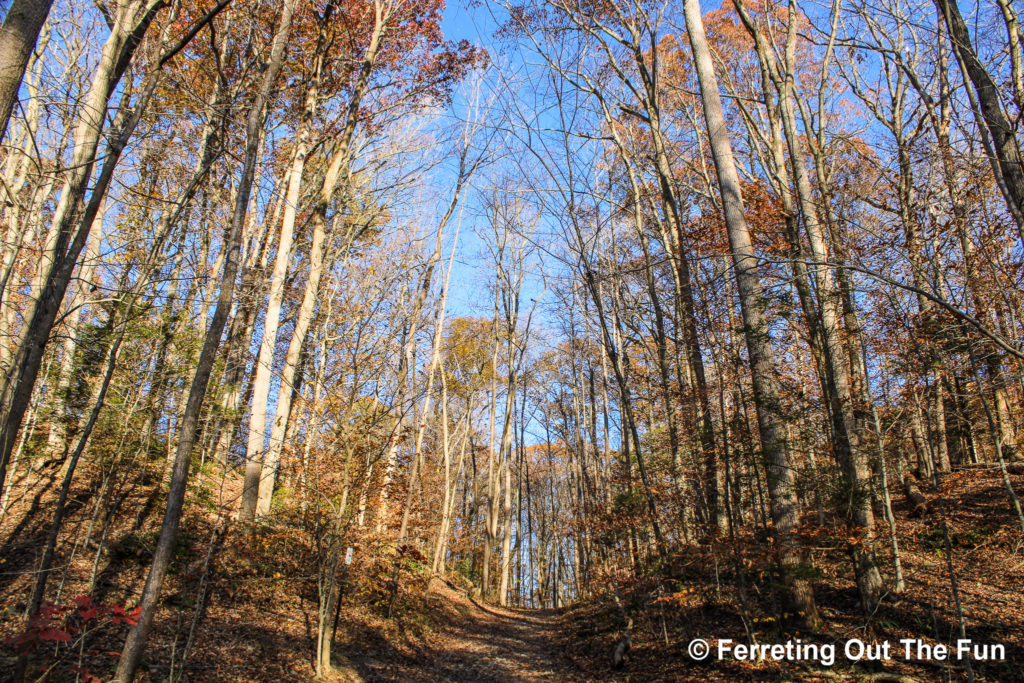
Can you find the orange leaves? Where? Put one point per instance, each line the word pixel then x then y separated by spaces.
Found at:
pixel 766 219
pixel 681 598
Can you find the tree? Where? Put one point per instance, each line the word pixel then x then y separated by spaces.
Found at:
pixel 18 38
pixel 1004 140
pixel 780 477
pixel 135 643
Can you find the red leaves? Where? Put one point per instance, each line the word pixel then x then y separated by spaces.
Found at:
pixel 86 609
pixel 120 615
pixel 42 626
pixel 54 634
pixel 60 623
pixel 411 551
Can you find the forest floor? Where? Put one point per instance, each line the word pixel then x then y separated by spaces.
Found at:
pixel 256 594
pixel 698 597
pixel 478 643
pixel 256 597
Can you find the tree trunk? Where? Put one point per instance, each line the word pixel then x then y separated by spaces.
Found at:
pixel 18 38
pixel 1005 145
pixel 57 441
pixel 265 358
pixel 260 477
pixel 136 641
pixel 780 472
pixel 58 265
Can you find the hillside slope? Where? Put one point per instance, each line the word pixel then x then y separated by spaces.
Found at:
pixel 242 606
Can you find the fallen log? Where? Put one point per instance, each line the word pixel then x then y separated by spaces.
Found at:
pixel 1011 467
pixel 918 503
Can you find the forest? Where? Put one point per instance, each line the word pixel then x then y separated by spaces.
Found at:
pixel 511 340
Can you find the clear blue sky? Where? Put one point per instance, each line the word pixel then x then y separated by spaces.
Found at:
pixel 475 25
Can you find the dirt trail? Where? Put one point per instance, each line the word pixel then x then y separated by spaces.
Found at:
pixel 483 643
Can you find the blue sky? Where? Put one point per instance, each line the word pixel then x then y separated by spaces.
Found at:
pixel 460 23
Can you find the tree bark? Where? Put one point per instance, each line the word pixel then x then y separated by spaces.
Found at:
pixel 58 265
pixel 762 365
pixel 265 358
pixel 260 477
pixel 135 643
pixel 24 20
pixel 1005 144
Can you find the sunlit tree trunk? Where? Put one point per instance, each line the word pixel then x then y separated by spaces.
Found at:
pixel 265 357
pixel 71 219
pixel 780 472
pixel 189 427
pixel 260 477
pixel 18 38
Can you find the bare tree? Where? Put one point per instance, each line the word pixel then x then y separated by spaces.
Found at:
pixel 780 476
pixel 135 643
pixel 18 37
